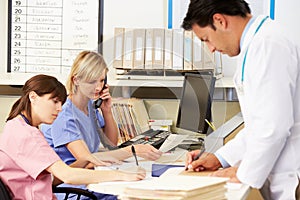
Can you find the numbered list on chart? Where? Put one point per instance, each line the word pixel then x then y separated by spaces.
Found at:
pixel 46 35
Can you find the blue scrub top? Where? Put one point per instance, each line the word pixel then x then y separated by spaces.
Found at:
pixel 72 124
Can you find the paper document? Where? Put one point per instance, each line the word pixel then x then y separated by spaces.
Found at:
pixel 128 166
pixel 173 156
pixel 172 141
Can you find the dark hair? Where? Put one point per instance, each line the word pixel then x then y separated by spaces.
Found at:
pixel 41 85
pixel 201 12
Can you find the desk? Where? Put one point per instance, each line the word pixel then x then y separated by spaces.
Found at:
pixel 117 188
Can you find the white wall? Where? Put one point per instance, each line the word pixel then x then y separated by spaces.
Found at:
pixel 153 13
pixel 286 14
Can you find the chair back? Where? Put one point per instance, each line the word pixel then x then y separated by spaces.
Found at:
pixel 77 191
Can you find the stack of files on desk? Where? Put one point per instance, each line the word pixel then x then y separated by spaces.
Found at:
pixel 178 187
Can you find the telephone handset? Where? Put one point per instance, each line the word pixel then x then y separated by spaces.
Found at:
pixel 98 102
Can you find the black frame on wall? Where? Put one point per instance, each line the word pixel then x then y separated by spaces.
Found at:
pixel 9 40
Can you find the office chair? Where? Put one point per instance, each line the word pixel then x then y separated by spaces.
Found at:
pixel 77 191
pixel 5 194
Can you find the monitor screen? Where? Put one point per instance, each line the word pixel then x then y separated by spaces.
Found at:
pixel 195 102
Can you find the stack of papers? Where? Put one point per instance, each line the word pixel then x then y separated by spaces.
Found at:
pixel 178 187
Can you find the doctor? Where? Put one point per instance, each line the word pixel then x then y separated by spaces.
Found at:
pixel 265 154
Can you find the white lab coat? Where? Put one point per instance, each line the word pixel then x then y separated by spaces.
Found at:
pixel 267 150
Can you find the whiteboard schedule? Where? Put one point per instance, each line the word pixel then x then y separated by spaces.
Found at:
pixel 45 36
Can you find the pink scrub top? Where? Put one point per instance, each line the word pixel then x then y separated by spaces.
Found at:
pixel 24 156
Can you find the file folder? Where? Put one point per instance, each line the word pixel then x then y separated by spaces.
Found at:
pixel 128 49
pixel 168 55
pixel 197 53
pixel 149 49
pixel 178 49
pixel 188 50
pixel 118 47
pixel 159 169
pixel 139 48
pixel 158 48
pixel 208 58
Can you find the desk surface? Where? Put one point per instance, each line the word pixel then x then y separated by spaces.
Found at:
pixel 235 191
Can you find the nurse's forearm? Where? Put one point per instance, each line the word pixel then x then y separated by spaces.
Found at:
pixel 118 154
pixel 80 163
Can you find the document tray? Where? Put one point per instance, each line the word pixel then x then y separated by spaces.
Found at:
pixel 153 137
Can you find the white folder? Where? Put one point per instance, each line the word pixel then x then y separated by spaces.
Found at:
pixel 128 49
pixel 188 50
pixel 149 49
pixel 118 47
pixel 168 55
pixel 208 58
pixel 178 49
pixel 158 48
pixel 197 53
pixel 139 48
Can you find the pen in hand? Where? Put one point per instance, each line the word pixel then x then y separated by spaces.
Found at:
pixel 134 154
pixel 197 157
pixel 200 153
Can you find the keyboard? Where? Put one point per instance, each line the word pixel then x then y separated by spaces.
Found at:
pixel 153 137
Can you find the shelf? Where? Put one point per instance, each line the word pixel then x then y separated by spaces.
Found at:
pixel 152 81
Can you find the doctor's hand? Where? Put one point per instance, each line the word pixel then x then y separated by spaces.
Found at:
pixel 207 161
pixel 229 172
pixel 147 151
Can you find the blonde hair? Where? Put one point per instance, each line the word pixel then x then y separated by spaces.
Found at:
pixel 88 66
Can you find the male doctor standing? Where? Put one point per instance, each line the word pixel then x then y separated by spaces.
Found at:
pixel 266 153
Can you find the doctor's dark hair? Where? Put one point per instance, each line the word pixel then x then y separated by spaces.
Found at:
pixel 41 85
pixel 201 12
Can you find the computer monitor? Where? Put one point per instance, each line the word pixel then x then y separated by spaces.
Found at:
pixel 195 102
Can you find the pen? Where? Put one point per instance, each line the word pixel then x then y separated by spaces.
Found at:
pixel 134 154
pixel 196 158
pixel 200 153
pixel 210 124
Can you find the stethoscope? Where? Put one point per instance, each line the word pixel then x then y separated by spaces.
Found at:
pixel 245 57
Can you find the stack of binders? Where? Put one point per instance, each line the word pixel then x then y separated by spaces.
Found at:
pixel 160 49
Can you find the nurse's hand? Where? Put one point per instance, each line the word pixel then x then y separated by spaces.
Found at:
pixel 147 151
pixel 207 161
pixel 229 172
pixel 96 161
pixel 107 99
pixel 132 174
pixel 106 158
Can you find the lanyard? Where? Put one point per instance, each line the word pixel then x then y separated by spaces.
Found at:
pixel 25 119
pixel 244 61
